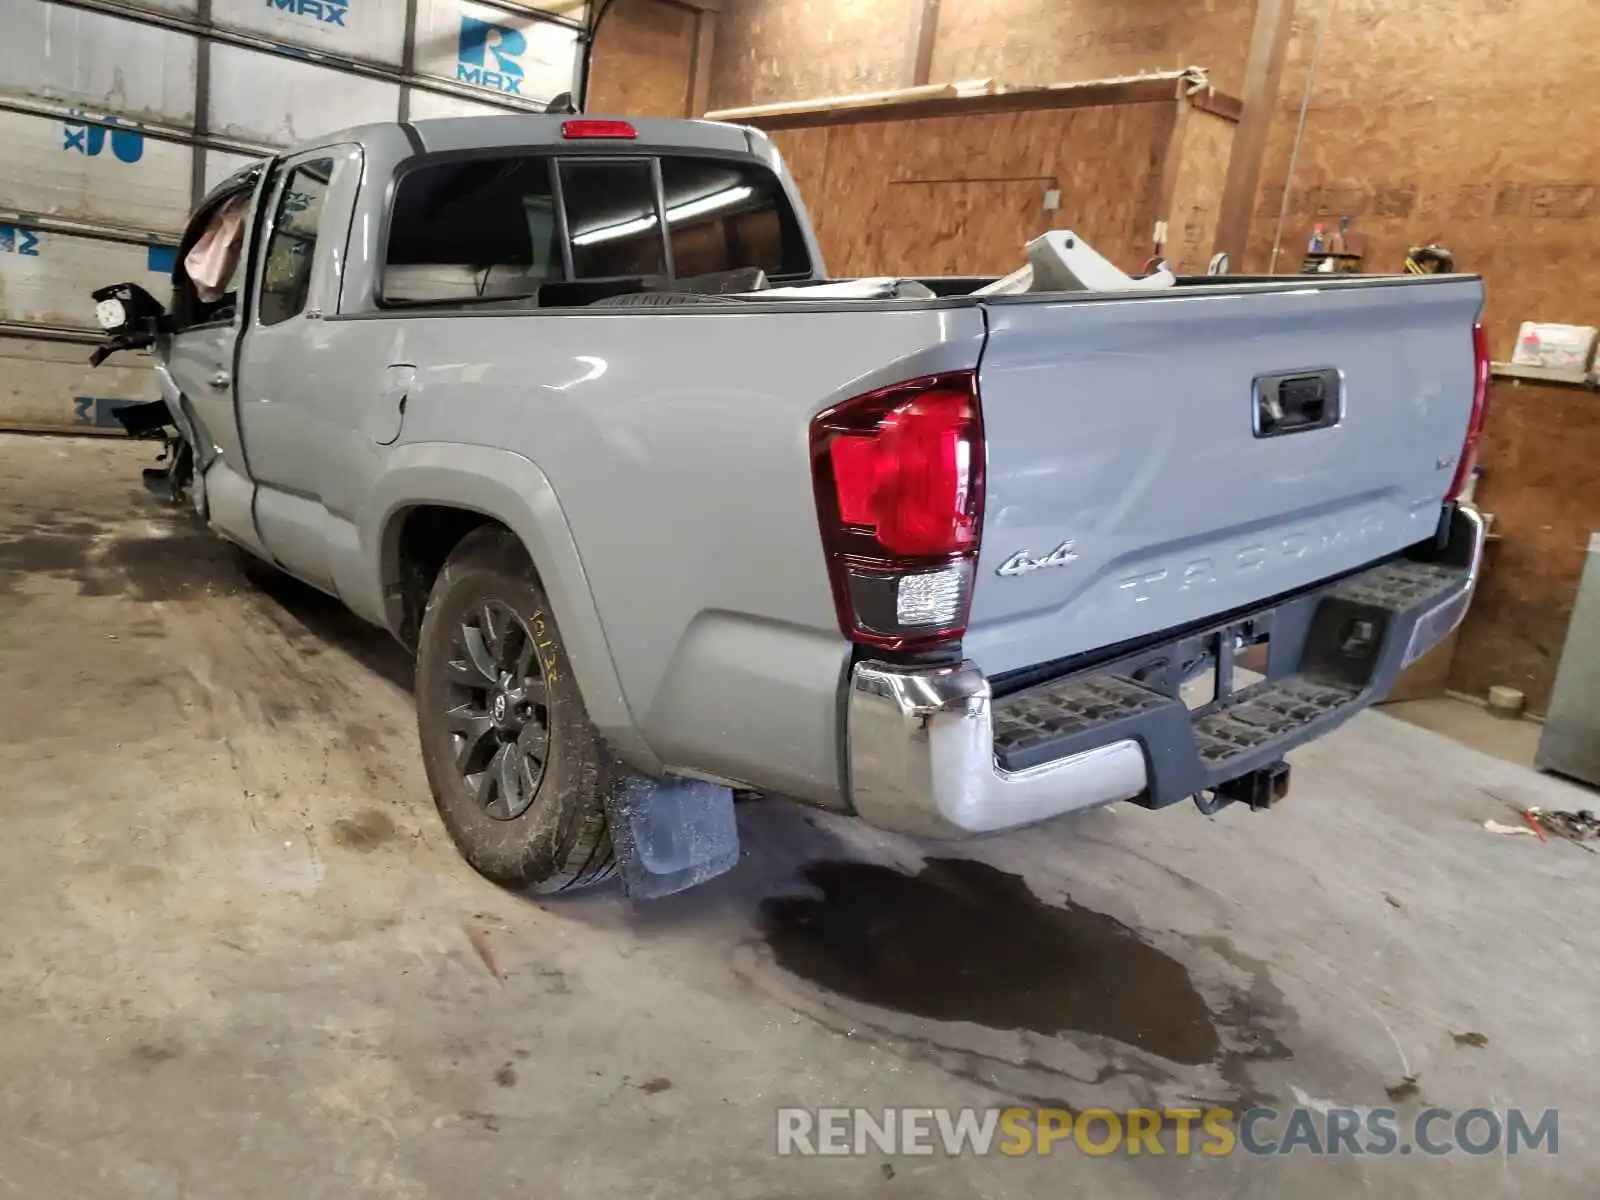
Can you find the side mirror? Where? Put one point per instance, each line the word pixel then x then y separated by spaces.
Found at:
pixel 127 308
pixel 130 317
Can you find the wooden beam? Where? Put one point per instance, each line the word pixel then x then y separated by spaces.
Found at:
pixel 919 51
pixel 1167 180
pixel 705 44
pixel 1269 44
pixel 953 99
pixel 1218 104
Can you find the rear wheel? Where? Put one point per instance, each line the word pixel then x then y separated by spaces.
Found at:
pixel 517 770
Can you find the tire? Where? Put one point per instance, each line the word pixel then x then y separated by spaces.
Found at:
pixel 555 764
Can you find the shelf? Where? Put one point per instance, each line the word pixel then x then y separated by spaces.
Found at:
pixel 1505 370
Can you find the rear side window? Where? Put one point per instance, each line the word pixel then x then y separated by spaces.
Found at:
pixel 727 216
pixel 488 228
pixel 484 228
pixel 286 269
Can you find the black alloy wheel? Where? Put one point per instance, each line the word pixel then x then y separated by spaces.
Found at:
pixel 497 709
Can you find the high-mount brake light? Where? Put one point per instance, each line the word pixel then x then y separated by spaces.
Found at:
pixel 577 131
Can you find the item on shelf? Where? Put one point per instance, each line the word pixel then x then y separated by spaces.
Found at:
pixel 1554 347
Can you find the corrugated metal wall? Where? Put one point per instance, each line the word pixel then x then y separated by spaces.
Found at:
pixel 117 115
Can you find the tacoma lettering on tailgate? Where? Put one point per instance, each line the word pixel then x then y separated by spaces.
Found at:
pixel 1246 560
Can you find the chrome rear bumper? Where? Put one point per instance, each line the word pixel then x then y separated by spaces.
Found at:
pixel 922 754
pixel 922 758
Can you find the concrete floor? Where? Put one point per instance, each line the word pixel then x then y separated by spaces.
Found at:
pixel 240 958
pixel 1513 741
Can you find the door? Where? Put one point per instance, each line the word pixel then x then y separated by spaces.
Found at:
pixel 207 319
pixel 284 387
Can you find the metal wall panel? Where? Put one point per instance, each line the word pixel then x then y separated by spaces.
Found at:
pixel 219 166
pixel 426 106
pixel 103 63
pixel 117 177
pixel 50 385
pixel 358 28
pixel 46 278
pixel 493 50
pixel 265 98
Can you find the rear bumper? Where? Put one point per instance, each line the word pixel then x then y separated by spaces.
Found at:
pixel 931 752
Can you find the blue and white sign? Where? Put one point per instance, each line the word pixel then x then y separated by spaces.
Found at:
pixel 127 145
pixel 490 55
pixel 328 12
pixel 16 240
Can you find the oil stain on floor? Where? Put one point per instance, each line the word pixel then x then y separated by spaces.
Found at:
pixel 963 941
pixel 172 558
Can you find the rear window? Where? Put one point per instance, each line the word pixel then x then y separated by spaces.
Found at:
pixel 489 228
pixel 482 228
pixel 611 218
pixel 727 216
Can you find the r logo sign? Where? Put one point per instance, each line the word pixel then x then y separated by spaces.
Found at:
pixel 481 42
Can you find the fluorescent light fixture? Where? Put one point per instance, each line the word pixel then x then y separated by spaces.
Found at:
pixel 678 212
pixel 610 233
pixel 699 208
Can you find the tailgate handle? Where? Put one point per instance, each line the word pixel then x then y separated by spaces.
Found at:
pixel 1298 402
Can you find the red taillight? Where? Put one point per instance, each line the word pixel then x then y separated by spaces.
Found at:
pixel 1480 410
pixel 899 480
pixel 576 131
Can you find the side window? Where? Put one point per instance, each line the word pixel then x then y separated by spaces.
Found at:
pixel 206 278
pixel 726 216
pixel 291 251
pixel 611 218
pixel 480 229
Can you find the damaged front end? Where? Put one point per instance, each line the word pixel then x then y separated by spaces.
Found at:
pixel 133 319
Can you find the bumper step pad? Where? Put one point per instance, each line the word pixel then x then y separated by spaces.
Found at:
pixel 1051 721
pixel 1335 649
pixel 1398 586
pixel 1036 725
pixel 1264 714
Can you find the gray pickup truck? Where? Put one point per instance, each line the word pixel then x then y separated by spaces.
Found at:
pixel 514 389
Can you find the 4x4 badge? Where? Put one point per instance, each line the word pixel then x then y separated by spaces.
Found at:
pixel 1022 562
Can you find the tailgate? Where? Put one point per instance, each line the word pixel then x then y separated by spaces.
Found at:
pixel 1131 488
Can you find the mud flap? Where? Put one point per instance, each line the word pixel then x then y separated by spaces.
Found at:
pixel 670 834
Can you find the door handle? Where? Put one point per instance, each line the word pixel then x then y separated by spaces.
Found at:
pixel 221 380
pixel 1298 403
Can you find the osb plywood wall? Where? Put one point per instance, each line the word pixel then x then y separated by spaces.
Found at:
pixel 1056 41
pixel 1541 484
pixel 1468 122
pixel 643 60
pixel 1202 146
pixel 774 50
pixel 955 195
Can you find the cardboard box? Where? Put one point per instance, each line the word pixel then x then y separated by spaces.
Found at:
pixel 1555 347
